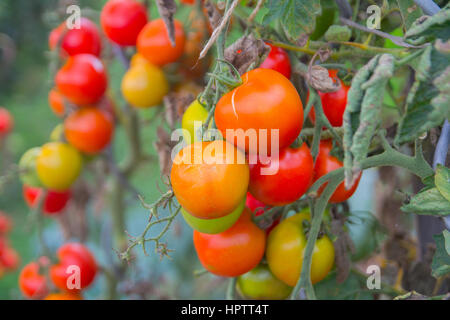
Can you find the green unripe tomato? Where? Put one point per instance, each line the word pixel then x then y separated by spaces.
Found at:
pixel 195 112
pixel 261 284
pixel 213 226
pixel 27 168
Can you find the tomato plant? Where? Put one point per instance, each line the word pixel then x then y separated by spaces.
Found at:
pixel 234 251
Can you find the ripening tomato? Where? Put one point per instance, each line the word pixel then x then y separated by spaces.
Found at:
pixel 187 1
pixel 326 163
pixel 137 60
pixel 82 80
pixel 258 208
pixel 58 165
pixel 144 85
pixel 285 249
pixel 53 203
pixel 6 122
pixel 194 113
pixel 284 179
pixel 9 258
pixel 260 284
pixel 75 41
pixel 73 254
pixel 209 179
pixel 31 282
pixel 333 103
pixel 56 102
pixel 277 60
pixel 5 223
pixel 266 100
pixel 27 167
pixel 89 129
pixel 234 251
pixel 63 296
pixel 154 44
pixel 213 226
pixel 122 20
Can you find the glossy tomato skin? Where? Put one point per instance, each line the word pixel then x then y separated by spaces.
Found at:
pixel 326 163
pixel 56 102
pixel 260 284
pixel 285 246
pixel 53 203
pixel 213 226
pixel 234 251
pixel 32 283
pixel 6 122
pixel 333 103
pixel 63 296
pixel 210 179
pixel 266 100
pixel 195 112
pixel 291 180
pixel 144 84
pixel 82 79
pixel 73 254
pixel 122 20
pixel 154 44
pixel 77 41
pixel 277 60
pixel 58 165
pixel 89 129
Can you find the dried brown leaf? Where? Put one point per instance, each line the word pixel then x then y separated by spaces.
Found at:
pixel 246 51
pixel 167 9
pixel 175 104
pixel 213 14
pixel 319 79
pixel 343 246
pixel 163 147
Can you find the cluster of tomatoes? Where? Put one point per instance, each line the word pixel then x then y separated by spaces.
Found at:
pixel 74 271
pixel 220 189
pixel 9 259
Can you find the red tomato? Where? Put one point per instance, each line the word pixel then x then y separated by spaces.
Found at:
pixel 277 60
pixel 326 163
pixel 234 251
pixel 89 129
pixel 258 208
pixel 54 201
pixel 266 101
pixel 289 183
pixel 122 20
pixel 187 1
pixel 5 223
pixel 73 254
pixel 82 80
pixel 9 259
pixel 6 122
pixel 154 44
pixel 32 284
pixel 76 41
pixel 56 102
pixel 333 103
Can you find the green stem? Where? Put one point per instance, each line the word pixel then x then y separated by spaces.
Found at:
pixel 230 289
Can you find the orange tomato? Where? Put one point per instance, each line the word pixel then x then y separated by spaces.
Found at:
pixel 154 44
pixel 234 251
pixel 326 163
pixel 56 102
pixel 31 282
pixel 265 100
pixel 63 296
pixel 210 179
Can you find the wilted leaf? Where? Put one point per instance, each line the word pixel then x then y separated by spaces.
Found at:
pixel 175 104
pixel 428 202
pixel 442 181
pixel 246 51
pixel 410 12
pixel 164 147
pixel 167 9
pixel 343 247
pixel 428 100
pixel 362 113
pixel 411 296
pixel 213 14
pixel 319 78
pixel 296 16
pixel 427 29
pixel 441 259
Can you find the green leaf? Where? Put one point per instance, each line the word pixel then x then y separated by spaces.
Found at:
pixel 427 29
pixel 410 12
pixel 297 17
pixel 362 113
pixel 428 100
pixel 441 260
pixel 428 202
pixel 338 33
pixel 442 181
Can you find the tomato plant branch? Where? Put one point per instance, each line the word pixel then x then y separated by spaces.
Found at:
pixel 230 288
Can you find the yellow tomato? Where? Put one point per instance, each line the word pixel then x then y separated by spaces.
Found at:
pixel 194 113
pixel 144 85
pixel 285 247
pixel 58 165
pixel 138 60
